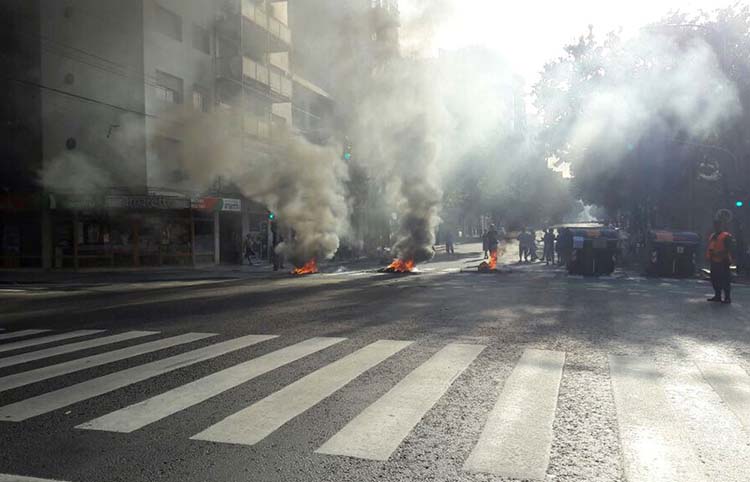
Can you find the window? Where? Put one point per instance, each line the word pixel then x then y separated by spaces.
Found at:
pixel 168 23
pixel 201 39
pixel 168 88
pixel 200 100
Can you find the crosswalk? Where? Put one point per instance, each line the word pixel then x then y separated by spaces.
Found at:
pixel 664 415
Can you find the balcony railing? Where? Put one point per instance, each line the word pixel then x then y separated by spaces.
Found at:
pixel 253 70
pixel 279 30
pixel 263 20
pixel 257 126
pixel 281 85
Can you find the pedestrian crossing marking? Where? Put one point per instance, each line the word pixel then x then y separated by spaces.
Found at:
pixel 517 437
pixel 19 478
pixel 149 411
pixel 31 407
pixel 732 384
pixel 72 347
pixel 254 423
pixel 701 415
pixel 378 431
pixel 47 339
pixel 19 334
pixel 653 446
pixel 33 376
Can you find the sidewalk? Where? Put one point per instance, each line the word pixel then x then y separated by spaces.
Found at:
pixel 96 276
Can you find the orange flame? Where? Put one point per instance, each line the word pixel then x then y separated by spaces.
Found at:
pixel 493 259
pixel 401 266
pixel 311 267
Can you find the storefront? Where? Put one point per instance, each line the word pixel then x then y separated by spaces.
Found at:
pixel 20 230
pixel 120 230
pixel 218 230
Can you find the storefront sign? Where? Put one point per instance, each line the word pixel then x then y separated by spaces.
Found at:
pixel 147 202
pixel 75 202
pixel 233 205
pixel 213 204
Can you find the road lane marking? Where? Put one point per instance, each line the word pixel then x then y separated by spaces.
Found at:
pixel 19 478
pixel 19 334
pixel 378 431
pixel 47 339
pixel 517 438
pixel 72 347
pixel 653 445
pixel 31 407
pixel 732 384
pixel 149 411
pixel 701 413
pixel 32 376
pixel 256 422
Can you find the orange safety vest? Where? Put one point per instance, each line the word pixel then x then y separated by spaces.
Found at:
pixel 718 251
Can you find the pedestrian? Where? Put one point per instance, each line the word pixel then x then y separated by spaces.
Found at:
pixel 492 238
pixel 485 247
pixel 522 248
pixel 249 253
pixel 449 249
pixel 549 247
pixel 719 254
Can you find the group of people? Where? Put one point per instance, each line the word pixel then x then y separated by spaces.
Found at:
pixel 557 247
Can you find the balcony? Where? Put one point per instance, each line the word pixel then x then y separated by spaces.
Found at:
pixel 255 71
pixel 281 86
pixel 281 36
pixel 256 126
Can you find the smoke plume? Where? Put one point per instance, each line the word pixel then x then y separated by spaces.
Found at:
pixel 304 184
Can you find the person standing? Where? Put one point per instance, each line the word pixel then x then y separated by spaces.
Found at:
pixel 492 240
pixel 719 254
pixel 549 247
pixel 449 249
pixel 249 253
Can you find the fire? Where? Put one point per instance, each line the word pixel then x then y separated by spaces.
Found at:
pixel 493 259
pixel 401 266
pixel 311 267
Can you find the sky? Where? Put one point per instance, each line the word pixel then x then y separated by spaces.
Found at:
pixel 528 33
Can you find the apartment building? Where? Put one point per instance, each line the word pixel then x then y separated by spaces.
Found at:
pixel 103 87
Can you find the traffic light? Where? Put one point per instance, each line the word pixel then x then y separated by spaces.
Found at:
pixel 739 204
pixel 271 216
pixel 347 156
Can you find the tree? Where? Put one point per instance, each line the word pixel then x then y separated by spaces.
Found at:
pixel 634 119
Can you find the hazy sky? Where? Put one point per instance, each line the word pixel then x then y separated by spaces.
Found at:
pixel 530 32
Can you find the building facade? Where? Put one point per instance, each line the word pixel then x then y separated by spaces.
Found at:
pixel 92 145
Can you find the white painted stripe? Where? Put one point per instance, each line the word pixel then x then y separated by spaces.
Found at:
pixel 732 383
pixel 377 432
pixel 72 347
pixel 19 478
pixel 31 407
pixel 253 424
pixel 517 437
pixel 654 447
pixel 701 414
pixel 19 334
pixel 149 411
pixel 32 376
pixel 47 339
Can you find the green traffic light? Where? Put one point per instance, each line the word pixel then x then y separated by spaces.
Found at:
pixel 271 216
pixel 347 156
pixel 739 204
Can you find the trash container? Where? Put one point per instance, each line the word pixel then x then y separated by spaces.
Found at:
pixel 594 251
pixel 671 253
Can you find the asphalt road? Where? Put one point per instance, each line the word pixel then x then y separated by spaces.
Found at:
pixel 445 375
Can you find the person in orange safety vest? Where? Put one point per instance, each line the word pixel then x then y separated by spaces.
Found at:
pixel 719 254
